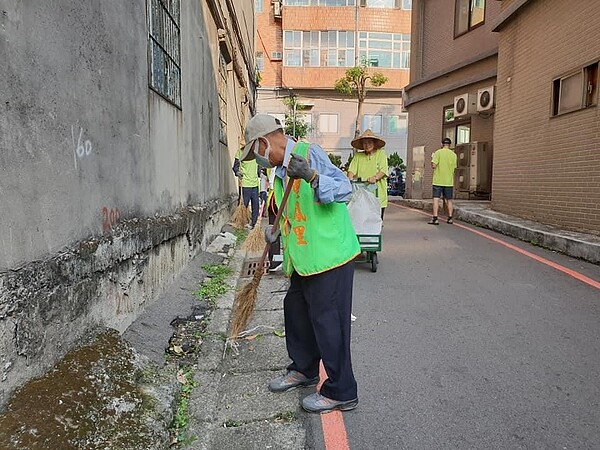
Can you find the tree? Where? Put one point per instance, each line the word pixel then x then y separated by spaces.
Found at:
pixel 354 84
pixel 295 125
pixel 336 160
pixel 394 160
pixel 350 156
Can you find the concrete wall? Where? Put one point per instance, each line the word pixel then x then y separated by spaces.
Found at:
pixel 547 168
pixel 106 189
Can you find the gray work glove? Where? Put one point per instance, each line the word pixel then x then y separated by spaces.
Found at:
pixel 239 174
pixel 270 236
pixel 298 168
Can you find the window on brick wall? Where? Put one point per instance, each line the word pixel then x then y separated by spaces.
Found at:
pixel 328 123
pixel 575 91
pixel 164 44
pixel 468 14
pixel 258 6
pixel 457 130
pixel 385 49
pixel 387 4
pixel 318 48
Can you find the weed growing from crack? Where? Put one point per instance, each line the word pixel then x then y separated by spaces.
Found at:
pixel 182 418
pixel 285 416
pixel 232 424
pixel 240 236
pixel 214 286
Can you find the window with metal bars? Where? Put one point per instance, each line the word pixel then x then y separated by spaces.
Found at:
pixel 222 86
pixel 164 49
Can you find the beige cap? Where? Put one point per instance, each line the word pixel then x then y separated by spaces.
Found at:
pixel 260 125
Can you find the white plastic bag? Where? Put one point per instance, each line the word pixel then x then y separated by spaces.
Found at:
pixel 365 211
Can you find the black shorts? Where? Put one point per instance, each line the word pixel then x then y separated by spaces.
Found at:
pixel 443 191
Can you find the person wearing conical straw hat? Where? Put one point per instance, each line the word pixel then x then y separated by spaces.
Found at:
pixel 370 164
pixel 319 248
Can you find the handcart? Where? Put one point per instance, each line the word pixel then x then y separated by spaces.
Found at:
pixel 370 244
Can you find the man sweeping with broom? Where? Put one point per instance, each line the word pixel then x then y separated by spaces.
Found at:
pixel 319 246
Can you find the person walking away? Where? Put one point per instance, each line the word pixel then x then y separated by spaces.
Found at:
pixel 443 162
pixel 248 173
pixel 370 164
pixel 262 191
pixel 319 246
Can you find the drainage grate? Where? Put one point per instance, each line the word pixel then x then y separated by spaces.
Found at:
pixel 251 265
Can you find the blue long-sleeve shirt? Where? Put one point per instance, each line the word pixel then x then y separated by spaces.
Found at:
pixel 333 186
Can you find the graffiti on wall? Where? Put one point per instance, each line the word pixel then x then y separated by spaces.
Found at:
pixel 110 217
pixel 82 148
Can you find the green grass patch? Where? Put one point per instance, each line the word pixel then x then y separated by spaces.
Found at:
pixel 240 235
pixel 181 420
pixel 214 285
pixel 285 416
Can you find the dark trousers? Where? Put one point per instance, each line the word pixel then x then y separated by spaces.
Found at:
pixel 317 312
pixel 251 196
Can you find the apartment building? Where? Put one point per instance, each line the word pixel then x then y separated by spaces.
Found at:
pixel 304 46
pixel 547 122
pixel 454 57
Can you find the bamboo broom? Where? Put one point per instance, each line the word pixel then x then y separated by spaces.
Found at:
pixel 245 299
pixel 255 240
pixel 240 217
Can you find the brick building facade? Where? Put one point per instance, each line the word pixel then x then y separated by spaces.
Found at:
pixel 453 54
pixel 538 61
pixel 547 124
pixel 304 46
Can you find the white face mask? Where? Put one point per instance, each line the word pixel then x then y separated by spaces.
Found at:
pixel 262 161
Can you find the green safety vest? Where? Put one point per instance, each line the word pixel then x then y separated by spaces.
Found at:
pixel 316 237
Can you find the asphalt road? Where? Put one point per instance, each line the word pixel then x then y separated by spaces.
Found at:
pixel 461 343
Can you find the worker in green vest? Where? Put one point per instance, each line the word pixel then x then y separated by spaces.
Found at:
pixel 248 172
pixel 319 246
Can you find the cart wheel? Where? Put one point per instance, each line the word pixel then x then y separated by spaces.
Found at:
pixel 373 262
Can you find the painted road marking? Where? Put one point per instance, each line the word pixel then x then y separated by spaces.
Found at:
pixel 334 430
pixel 540 259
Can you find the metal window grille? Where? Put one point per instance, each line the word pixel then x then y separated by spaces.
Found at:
pixel 222 86
pixel 164 48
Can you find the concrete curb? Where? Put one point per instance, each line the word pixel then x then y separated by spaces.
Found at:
pixel 231 406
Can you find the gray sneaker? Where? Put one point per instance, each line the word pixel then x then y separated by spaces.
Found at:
pixel 292 379
pixel 317 403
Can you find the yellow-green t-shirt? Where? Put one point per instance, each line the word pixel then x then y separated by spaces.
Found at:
pixel 445 161
pixel 250 172
pixel 364 166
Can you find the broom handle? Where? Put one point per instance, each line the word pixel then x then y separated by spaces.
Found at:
pixel 286 194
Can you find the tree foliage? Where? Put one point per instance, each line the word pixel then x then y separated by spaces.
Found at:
pixel 336 160
pixel 394 160
pixel 355 83
pixel 295 125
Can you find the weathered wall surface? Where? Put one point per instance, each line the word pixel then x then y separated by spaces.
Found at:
pixel 106 189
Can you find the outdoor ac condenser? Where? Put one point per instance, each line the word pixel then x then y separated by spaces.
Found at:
pixel 474 172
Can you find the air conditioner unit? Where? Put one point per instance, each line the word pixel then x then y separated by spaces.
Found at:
pixel 276 56
pixel 277 9
pixel 463 151
pixel 464 105
pixel 474 173
pixel 485 99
